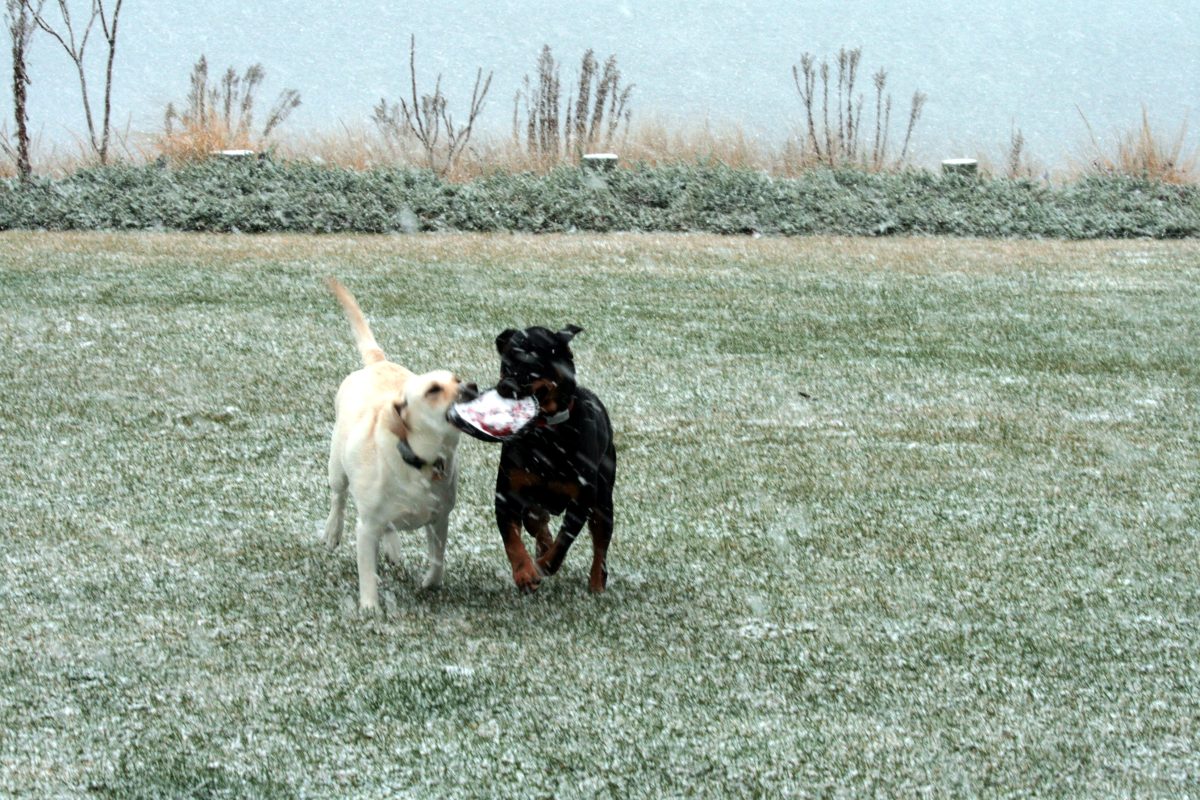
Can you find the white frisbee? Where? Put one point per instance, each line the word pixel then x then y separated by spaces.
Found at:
pixel 493 418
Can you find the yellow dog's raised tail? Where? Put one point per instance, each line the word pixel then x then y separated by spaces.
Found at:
pixel 368 348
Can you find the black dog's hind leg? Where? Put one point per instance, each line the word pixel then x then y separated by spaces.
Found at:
pixel 600 522
pixel 573 519
pixel 600 525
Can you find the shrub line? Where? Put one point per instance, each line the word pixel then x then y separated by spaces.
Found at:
pixel 294 196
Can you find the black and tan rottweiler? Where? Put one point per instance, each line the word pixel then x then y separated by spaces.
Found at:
pixel 565 464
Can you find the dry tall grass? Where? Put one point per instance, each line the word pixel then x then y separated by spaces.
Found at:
pixel 360 148
pixel 1013 160
pixel 554 130
pixel 1143 153
pixel 59 159
pixel 652 141
pixel 656 142
pixel 220 116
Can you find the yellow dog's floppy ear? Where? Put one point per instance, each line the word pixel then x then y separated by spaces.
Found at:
pixel 401 423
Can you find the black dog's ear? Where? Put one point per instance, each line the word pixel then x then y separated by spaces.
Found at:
pixel 504 338
pixel 568 333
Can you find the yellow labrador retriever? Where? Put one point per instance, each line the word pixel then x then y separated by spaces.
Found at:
pixel 394 450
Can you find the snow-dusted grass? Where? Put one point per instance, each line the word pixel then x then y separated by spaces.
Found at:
pixel 966 567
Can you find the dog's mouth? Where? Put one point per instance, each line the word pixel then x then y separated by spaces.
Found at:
pixel 511 389
pixel 493 418
pixel 541 389
pixel 467 392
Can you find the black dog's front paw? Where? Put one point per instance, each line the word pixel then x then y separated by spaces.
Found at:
pixel 527 577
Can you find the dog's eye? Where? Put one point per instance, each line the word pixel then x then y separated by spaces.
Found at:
pixel 434 391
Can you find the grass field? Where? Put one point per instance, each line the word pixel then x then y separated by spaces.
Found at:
pixel 967 567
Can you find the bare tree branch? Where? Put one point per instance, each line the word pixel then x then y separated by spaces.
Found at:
pixel 844 145
pixel 110 36
pixel 76 50
pixel 426 117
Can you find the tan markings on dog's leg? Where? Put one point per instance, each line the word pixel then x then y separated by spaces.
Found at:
pixel 538 525
pixel 549 554
pixel 525 574
pixel 600 525
pixel 368 557
pixel 547 561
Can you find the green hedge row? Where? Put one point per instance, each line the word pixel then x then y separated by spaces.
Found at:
pixel 261 196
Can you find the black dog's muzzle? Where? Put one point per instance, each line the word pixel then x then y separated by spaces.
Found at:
pixel 509 389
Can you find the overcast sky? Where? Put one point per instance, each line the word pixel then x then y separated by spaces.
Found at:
pixel 1016 62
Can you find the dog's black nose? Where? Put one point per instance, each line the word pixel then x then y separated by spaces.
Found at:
pixel 508 389
pixel 467 392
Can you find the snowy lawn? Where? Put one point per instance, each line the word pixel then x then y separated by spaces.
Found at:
pixel 967 566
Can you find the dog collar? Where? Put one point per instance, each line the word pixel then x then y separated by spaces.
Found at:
pixel 416 462
pixel 557 419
